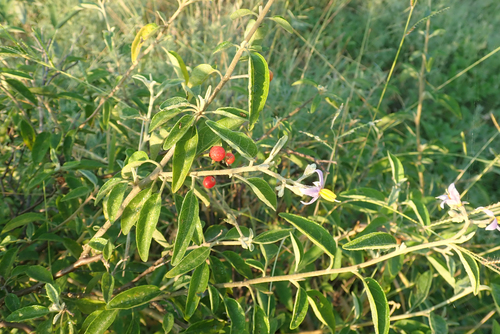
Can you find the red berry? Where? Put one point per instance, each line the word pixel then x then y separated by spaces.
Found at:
pixel 229 158
pixel 209 182
pixel 217 153
pixel 271 75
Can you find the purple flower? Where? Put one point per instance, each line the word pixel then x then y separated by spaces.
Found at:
pixel 452 197
pixel 494 224
pixel 318 190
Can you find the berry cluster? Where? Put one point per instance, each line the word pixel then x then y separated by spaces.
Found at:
pixel 217 153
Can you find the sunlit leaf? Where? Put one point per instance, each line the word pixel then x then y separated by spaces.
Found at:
pixel 184 154
pixel 299 308
pixel 258 86
pixel 134 297
pixel 375 240
pixel 194 259
pixel 237 316
pixel 378 305
pixel 141 37
pixel 237 140
pixel 146 225
pixel 187 219
pixel 197 286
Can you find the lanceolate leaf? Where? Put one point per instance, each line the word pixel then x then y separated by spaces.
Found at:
pixel 163 117
pixel 22 220
pixel 270 237
pixel 299 308
pixel 23 90
pixel 134 297
pixel 184 154
pixel 316 233
pixel 322 308
pixel 199 74
pixel 146 225
pixel 238 263
pixel 140 38
pixel 40 274
pixel 263 191
pixel 101 323
pixel 27 313
pixel 115 200
pixel 131 212
pixel 208 138
pixel 375 240
pixel 378 305
pixel 7 261
pixel 471 268
pixel 179 129
pixel 258 86
pixel 260 321
pixel 237 140
pixel 197 286
pixel 28 134
pixel 187 221
pixel 283 23
pixel 106 188
pixel 40 147
pixel 190 262
pixel 178 64
pixel 237 316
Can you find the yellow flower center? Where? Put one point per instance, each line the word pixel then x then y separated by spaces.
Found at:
pixel 327 195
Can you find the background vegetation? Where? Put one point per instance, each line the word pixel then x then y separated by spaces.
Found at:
pixel 353 80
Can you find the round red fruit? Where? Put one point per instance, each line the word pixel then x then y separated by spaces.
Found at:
pixel 229 158
pixel 217 153
pixel 271 75
pixel 209 182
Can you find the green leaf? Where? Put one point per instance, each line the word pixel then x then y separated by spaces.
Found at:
pixel 240 13
pixel 222 46
pixel 76 193
pixel 146 225
pixel 89 176
pixel 212 326
pixel 238 263
pixel 162 117
pixel 322 308
pixel 115 200
pixel 237 140
pixel 260 321
pixel 421 291
pixel 375 240
pixel 194 259
pixel 256 264
pixel 106 188
pixel 438 324
pixel 495 293
pixel 40 147
pixel 207 138
pixel 197 285
pixel 102 321
pixel 27 313
pixel 471 268
pixel 398 172
pixel 188 218
pixel 378 305
pixel 23 90
pixel 168 322
pixel 298 250
pixel 316 233
pixel 272 236
pixel 22 220
pixel 263 191
pixel 184 154
pixel 299 308
pixel 178 64
pixel 199 74
pixel 180 128
pixel 8 259
pixel 442 270
pixel 132 211
pixel 107 286
pixel 174 103
pixel 28 134
pixel 140 38
pixel 258 86
pixel 106 114
pixel 14 74
pixel 450 103
pixel 237 316
pixel 283 23
pixel 12 302
pixel 40 274
pixel 134 297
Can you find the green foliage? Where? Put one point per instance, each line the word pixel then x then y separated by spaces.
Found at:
pixel 107 113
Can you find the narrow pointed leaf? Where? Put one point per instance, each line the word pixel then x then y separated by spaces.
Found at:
pixel 115 200
pixel 283 23
pixel 299 308
pixel 23 90
pixel 438 324
pixel 187 220
pixel 398 172
pixel 237 140
pixel 27 313
pixel 28 134
pixel 146 225
pixel 258 86
pixel 238 263
pixel 199 74
pixel 107 286
pixel 240 13
pixel 197 286
pixel 260 321
pixel 162 117
pixel 134 297
pixel 471 268
pixel 76 193
pixel 178 131
pixel 322 308
pixel 270 237
pixel 132 211
pixel 22 220
pixel 237 316
pixel 168 322
pixel 40 147
pixel 375 240
pixel 184 154
pixel 208 138
pixel 140 38
pixel 194 259
pixel 315 232
pixel 106 188
pixel 40 274
pixel 263 191
pixel 298 250
pixel 102 322
pixel 378 305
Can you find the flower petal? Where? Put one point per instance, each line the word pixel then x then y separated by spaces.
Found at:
pixel 493 225
pixel 310 191
pixel 314 199
pixel 321 180
pixel 454 194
